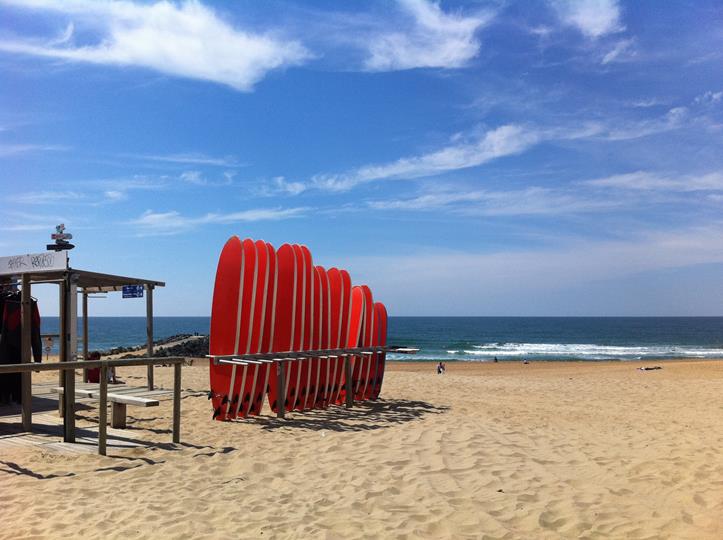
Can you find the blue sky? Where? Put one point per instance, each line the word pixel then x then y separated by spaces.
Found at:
pixel 479 158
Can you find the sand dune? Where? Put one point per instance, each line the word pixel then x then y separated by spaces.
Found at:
pixel 546 450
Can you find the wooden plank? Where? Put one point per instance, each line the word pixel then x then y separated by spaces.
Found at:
pixel 118 415
pixel 116 398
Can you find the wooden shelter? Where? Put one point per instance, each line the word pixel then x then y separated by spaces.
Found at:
pixel 54 267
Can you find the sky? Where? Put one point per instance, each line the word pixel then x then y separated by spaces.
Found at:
pixel 461 158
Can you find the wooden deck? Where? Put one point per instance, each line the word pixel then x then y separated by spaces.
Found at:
pixel 47 431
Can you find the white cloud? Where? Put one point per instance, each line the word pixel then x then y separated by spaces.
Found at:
pixel 506 140
pixel 7 150
pixel 620 52
pixel 188 159
pixel 186 39
pixel 280 185
pixel 647 181
pixel 623 130
pixel 115 195
pixel 594 18
pixel 435 39
pixel 502 141
pixel 166 223
pixel 519 202
pixel 709 98
pixel 46 197
pixel 193 177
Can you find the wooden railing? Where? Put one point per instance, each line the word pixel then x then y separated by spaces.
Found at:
pixel 69 391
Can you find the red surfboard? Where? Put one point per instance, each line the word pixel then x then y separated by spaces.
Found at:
pixel 244 325
pixel 258 298
pixel 295 366
pixel 324 319
pixel 284 320
pixel 222 338
pixel 353 337
pixel 336 299
pixel 345 312
pixel 314 392
pixel 361 375
pixel 380 324
pixel 259 389
pixel 305 366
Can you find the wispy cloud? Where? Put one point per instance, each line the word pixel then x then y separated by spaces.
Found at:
pixel 186 39
pixel 648 181
pixel 8 150
pixel 709 98
pixel 193 177
pixel 594 18
pixel 502 141
pixel 280 185
pixel 624 130
pixel 46 197
pixel 115 195
pixel 434 39
pixel 506 140
pixel 621 51
pixel 532 201
pixel 173 222
pixel 189 159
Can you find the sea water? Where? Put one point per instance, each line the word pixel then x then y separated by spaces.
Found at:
pixel 480 338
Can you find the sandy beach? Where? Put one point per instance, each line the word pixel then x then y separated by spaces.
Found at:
pixel 545 450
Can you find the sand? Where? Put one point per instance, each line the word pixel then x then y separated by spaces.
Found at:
pixel 545 450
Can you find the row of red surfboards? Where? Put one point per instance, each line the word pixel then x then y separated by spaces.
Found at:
pixel 267 300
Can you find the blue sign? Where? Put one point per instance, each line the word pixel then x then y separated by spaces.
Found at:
pixel 132 291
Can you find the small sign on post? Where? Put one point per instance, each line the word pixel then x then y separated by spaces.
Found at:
pixel 132 291
pixel 48 346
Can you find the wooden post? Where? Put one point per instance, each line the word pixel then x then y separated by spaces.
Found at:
pixel 62 353
pixel 103 410
pixel 149 332
pixel 85 333
pixel 68 374
pixel 26 394
pixel 177 402
pixel 281 375
pixel 349 387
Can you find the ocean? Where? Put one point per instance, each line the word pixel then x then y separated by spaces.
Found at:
pixel 482 339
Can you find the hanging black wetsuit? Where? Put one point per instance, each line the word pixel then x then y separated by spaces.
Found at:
pixel 10 342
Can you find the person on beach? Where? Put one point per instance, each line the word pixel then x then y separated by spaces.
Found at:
pixel 441 369
pixel 94 373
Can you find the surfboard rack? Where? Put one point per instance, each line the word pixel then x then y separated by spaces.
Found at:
pixel 304 355
pixel 279 358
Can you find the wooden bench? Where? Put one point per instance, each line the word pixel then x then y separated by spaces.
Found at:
pixel 118 403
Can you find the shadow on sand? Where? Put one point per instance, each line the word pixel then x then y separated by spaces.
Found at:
pixel 365 416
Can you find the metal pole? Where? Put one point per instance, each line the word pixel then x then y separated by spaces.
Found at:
pixel 281 378
pixel 26 393
pixel 103 410
pixel 85 333
pixel 348 373
pixel 149 332
pixel 177 403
